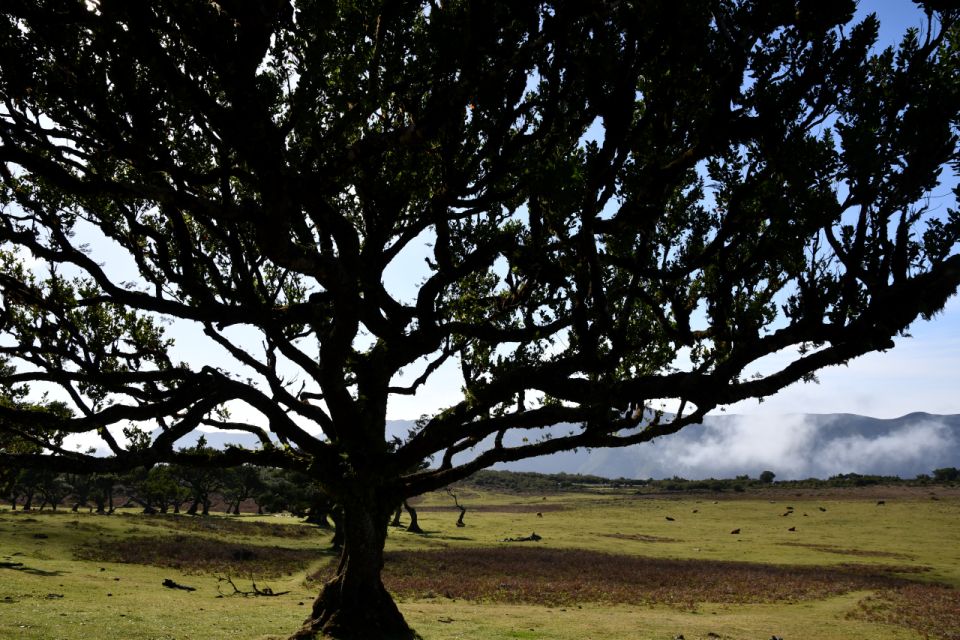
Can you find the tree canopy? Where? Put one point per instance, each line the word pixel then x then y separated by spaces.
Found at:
pixel 626 205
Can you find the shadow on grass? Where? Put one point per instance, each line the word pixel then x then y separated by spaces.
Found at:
pixel 432 535
pixel 30 570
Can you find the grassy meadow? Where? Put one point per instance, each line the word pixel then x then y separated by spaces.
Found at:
pixel 609 565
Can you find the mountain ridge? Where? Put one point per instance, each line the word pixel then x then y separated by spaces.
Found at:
pixel 794 446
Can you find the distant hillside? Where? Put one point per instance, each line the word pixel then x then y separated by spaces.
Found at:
pixel 792 446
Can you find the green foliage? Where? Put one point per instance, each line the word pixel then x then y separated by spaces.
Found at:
pixel 946 474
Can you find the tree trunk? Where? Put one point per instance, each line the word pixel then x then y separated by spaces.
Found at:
pixel 414 526
pixel 354 605
pixel 336 514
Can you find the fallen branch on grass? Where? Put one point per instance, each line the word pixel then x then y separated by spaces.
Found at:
pixel 266 591
pixel 533 537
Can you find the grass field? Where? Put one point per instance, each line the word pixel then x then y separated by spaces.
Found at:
pixel 609 565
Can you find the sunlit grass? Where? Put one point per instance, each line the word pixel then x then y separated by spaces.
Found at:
pixel 609 565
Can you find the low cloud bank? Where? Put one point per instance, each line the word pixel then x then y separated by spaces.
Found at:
pixel 792 446
pixel 799 446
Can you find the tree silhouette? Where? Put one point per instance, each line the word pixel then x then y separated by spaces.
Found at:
pixel 627 205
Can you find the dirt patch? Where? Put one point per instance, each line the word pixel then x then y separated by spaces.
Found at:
pixel 497 508
pixel 554 577
pixel 639 537
pixel 849 552
pixel 197 555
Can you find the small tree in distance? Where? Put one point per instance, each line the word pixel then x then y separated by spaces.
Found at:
pixel 767 477
pixel 627 205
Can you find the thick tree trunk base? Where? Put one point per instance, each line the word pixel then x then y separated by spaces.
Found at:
pixel 370 616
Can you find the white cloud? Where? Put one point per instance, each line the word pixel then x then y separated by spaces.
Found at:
pixel 914 443
pixel 794 447
pixel 748 443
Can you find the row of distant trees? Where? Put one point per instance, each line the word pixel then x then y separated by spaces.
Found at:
pixel 170 488
pixel 524 482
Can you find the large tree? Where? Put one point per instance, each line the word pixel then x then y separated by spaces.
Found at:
pixel 626 203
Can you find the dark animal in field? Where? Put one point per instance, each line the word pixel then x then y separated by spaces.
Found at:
pixel 881 502
pixel 539 515
pixel 669 519
pixel 792 529
pixel 821 508
pixel 735 532
pixel 170 584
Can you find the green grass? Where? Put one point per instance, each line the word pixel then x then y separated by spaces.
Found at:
pixel 855 570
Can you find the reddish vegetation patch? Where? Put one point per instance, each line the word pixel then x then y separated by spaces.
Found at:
pixel 193 555
pixel 930 609
pixel 554 577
